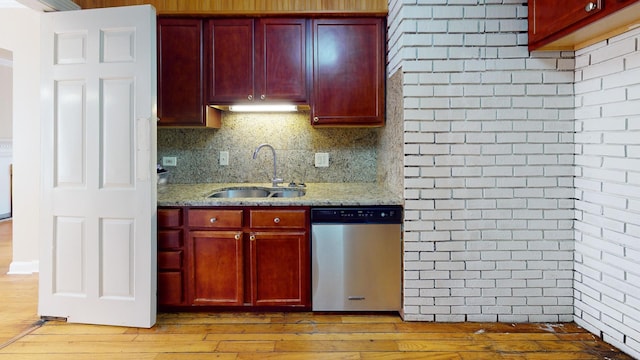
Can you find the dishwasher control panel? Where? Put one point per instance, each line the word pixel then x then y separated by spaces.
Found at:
pixel 364 215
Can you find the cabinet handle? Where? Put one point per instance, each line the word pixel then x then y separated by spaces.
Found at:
pixel 252 237
pixel 276 220
pixel 263 96
pixel 213 220
pixel 250 97
pixel 315 119
pixel 590 7
pixel 237 237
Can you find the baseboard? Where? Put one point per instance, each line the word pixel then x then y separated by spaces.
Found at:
pixel 24 267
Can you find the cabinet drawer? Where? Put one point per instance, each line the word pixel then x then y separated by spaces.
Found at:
pixel 170 260
pixel 277 219
pixel 169 239
pixel 170 288
pixel 212 218
pixel 169 217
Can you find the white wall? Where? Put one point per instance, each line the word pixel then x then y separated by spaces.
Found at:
pixel 607 279
pixel 20 34
pixel 6 130
pixel 6 94
pixel 488 173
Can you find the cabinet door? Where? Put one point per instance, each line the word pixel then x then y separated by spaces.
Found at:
pixel 230 60
pixel 180 73
pixel 170 278
pixel 348 72
pixel 171 271
pixel 280 268
pixel 216 267
pixel 170 288
pixel 281 60
pixel 548 17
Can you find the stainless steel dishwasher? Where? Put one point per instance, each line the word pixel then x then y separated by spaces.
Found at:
pixel 356 258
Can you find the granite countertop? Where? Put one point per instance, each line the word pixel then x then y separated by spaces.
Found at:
pixel 317 194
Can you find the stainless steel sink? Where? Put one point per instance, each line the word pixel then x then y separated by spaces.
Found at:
pixel 256 192
pixel 287 193
pixel 240 193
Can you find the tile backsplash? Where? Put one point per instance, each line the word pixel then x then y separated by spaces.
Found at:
pixel 352 151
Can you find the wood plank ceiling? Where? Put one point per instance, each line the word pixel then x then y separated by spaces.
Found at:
pixel 250 7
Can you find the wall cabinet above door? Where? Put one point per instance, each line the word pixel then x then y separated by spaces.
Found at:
pixel 257 61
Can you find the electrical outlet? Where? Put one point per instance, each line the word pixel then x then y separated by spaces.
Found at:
pixel 169 161
pixel 224 158
pixel 322 159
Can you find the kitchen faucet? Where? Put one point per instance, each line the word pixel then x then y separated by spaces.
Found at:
pixel 274 181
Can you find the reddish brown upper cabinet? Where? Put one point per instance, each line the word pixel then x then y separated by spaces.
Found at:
pixel 348 72
pixel 574 24
pixel 181 75
pixel 257 61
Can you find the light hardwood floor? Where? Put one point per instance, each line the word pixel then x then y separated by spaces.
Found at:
pixel 282 336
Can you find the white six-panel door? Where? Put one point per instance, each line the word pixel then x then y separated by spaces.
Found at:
pixel 98 250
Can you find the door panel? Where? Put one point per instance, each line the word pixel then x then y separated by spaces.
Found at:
pixel 117 153
pixel 117 260
pixel 98 225
pixel 69 243
pixel 69 141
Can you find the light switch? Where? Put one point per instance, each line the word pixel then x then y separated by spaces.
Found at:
pixel 322 159
pixel 224 158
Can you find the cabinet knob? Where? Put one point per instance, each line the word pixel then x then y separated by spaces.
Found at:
pixel 252 237
pixel 237 237
pixel 249 97
pixel 590 7
pixel 213 220
pixel 263 96
pixel 315 119
pixel 276 220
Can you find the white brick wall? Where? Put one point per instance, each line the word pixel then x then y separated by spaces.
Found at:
pixel 607 256
pixel 488 164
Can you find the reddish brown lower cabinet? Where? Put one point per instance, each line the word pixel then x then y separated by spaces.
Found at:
pixel 216 267
pixel 280 268
pixel 171 258
pixel 232 257
pixel 280 257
